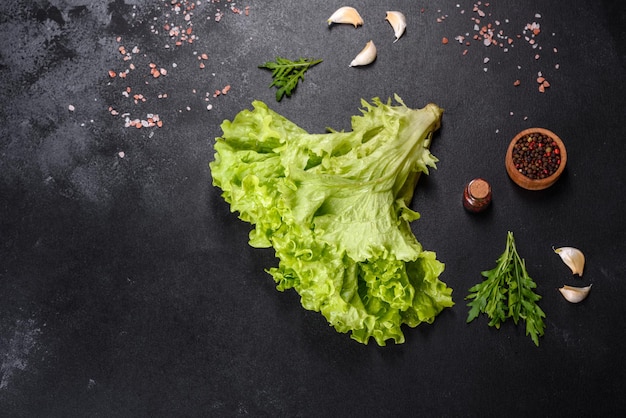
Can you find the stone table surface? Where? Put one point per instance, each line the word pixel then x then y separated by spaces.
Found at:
pixel 128 288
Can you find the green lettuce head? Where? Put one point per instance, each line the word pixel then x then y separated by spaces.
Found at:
pixel 335 208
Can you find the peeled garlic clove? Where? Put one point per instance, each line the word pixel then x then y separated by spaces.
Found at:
pixel 574 294
pixel 346 14
pixel 366 56
pixel 573 257
pixel 397 20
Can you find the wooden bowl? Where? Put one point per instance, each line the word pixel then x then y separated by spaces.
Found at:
pixel 523 180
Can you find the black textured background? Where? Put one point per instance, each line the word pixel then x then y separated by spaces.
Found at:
pixel 127 288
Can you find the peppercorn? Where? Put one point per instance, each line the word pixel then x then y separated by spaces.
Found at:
pixel 536 156
pixel 477 195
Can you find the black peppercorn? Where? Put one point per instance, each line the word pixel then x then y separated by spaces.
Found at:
pixel 536 156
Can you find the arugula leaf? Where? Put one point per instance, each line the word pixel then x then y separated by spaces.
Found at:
pixel 287 73
pixel 507 292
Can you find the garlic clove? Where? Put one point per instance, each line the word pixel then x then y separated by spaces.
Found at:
pixel 366 56
pixel 574 294
pixel 573 257
pixel 346 14
pixel 397 20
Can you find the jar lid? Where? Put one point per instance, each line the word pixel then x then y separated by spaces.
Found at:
pixel 479 189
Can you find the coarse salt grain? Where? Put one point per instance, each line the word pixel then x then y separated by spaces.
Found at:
pixel 179 33
pixel 490 36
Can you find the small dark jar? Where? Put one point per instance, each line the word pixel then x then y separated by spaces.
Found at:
pixel 477 195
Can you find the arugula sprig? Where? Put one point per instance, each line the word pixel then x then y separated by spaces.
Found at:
pixel 507 292
pixel 287 73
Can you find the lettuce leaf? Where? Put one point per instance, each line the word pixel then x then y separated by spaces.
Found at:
pixel 335 208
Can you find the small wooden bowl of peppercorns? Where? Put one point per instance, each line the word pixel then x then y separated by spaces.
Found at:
pixel 536 158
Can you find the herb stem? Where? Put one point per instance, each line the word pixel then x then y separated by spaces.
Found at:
pixel 508 282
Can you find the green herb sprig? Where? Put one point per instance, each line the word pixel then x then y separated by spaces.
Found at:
pixel 507 292
pixel 287 74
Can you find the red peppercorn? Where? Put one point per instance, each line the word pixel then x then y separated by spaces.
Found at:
pixel 532 156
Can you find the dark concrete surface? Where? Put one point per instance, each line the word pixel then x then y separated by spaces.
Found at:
pixel 128 289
